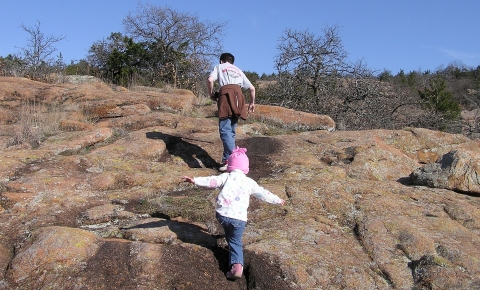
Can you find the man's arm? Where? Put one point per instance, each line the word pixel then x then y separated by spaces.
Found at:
pixel 210 88
pixel 251 106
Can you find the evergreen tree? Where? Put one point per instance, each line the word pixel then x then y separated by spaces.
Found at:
pixel 438 98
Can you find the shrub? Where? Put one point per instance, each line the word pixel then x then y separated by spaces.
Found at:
pixel 37 122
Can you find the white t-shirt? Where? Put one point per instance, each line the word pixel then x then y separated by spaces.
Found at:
pixel 228 74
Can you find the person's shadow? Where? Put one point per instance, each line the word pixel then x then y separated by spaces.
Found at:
pixel 192 234
pixel 193 155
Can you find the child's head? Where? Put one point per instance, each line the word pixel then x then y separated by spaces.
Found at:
pixel 238 160
pixel 227 57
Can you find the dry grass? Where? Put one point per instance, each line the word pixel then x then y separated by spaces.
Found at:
pixel 193 204
pixel 165 89
pixel 95 112
pixel 37 122
pixel 203 100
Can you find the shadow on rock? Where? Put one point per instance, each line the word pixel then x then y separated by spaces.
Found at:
pixel 121 265
pixel 405 180
pixel 185 232
pixel 191 234
pixel 258 151
pixel 193 155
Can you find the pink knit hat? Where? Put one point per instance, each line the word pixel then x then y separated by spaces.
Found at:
pixel 238 160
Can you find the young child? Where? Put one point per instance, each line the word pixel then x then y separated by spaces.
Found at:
pixel 232 203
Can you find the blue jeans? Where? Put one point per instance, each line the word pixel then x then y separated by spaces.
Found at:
pixel 227 127
pixel 233 235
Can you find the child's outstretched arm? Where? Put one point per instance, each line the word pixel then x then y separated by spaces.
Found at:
pixel 207 181
pixel 265 195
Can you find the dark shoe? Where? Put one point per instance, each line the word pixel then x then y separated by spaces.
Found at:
pixel 236 272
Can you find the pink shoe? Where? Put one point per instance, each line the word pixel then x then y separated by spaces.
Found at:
pixel 236 272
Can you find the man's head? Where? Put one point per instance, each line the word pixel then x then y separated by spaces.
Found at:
pixel 227 57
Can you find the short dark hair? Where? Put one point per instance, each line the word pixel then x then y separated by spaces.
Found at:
pixel 227 57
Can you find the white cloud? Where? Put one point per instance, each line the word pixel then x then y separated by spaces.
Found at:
pixel 458 55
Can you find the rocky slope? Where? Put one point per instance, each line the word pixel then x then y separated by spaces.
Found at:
pixel 99 203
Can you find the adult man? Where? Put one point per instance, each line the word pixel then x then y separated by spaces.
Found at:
pixel 230 101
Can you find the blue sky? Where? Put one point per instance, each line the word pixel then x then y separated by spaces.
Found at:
pixel 393 35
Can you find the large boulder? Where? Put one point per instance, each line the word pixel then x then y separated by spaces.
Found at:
pixel 457 170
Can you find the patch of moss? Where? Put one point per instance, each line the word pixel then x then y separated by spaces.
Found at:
pixel 192 204
pixel 441 261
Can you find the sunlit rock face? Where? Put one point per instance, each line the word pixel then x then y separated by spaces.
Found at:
pixel 91 197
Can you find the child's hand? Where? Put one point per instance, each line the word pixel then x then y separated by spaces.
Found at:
pixel 188 179
pixel 282 202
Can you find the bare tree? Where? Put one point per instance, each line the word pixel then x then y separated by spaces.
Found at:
pixel 186 46
pixel 313 71
pixel 310 58
pixel 315 76
pixel 37 53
